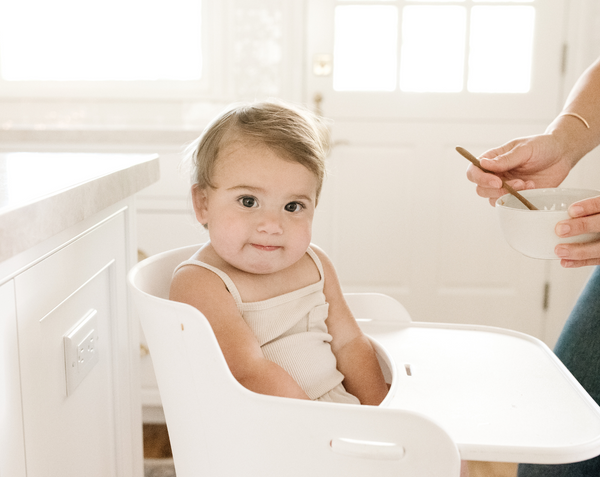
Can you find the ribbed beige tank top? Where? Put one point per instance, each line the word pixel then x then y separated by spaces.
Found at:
pixel 292 333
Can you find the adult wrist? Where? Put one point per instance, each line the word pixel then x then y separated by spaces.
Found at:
pixel 572 137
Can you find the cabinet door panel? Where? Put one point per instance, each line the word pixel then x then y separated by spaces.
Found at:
pixel 12 453
pixel 82 433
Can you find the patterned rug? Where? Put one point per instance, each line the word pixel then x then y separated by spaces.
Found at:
pixel 159 468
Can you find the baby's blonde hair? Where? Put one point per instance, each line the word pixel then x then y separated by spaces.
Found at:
pixel 293 132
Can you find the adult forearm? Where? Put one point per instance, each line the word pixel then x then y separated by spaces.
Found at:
pixel 575 137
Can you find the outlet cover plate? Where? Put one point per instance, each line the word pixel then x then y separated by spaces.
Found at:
pixel 81 350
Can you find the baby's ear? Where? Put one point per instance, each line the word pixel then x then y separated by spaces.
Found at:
pixel 200 201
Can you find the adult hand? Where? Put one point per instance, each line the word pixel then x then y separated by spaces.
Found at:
pixel 585 218
pixel 524 163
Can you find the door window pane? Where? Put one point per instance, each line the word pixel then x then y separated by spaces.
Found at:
pixel 500 49
pixel 74 40
pixel 365 53
pixel 436 39
pixel 433 46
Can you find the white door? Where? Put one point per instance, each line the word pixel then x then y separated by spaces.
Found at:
pixel 405 82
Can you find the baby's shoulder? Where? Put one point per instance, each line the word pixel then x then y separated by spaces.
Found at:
pixel 326 262
pixel 191 277
pixel 205 290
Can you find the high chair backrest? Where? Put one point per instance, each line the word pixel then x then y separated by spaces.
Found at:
pixel 219 428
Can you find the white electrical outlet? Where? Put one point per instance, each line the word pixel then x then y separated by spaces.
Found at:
pixel 81 350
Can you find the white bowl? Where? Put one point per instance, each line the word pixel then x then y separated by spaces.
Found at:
pixel 531 232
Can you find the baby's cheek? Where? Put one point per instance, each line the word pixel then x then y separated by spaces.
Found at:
pixel 304 236
pixel 226 240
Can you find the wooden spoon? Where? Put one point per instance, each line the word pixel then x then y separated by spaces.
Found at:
pixel 466 154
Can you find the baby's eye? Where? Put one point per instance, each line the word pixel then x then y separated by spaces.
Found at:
pixel 248 202
pixel 293 207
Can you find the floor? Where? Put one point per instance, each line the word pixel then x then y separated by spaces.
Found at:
pixel 159 459
pixel 492 469
pixel 156 442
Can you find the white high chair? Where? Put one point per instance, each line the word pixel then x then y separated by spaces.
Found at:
pixel 219 428
pixel 499 395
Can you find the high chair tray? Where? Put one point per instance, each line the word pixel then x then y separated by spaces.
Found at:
pixel 503 396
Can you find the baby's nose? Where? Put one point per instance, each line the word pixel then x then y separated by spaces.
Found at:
pixel 270 222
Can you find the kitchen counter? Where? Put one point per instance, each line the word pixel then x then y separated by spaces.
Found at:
pixel 69 345
pixel 42 194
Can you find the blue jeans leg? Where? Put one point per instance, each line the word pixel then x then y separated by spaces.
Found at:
pixel 578 347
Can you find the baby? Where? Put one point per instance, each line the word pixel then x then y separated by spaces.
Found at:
pixel 272 298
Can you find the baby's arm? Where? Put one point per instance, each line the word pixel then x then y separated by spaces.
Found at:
pixel 203 289
pixel 356 358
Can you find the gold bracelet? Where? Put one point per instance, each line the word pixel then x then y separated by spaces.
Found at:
pixel 575 115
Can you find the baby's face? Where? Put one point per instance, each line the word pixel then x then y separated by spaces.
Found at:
pixel 261 210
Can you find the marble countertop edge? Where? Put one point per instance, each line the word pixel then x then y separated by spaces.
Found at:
pixel 28 224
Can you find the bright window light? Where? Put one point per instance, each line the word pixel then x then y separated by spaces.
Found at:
pixel 501 45
pixel 433 48
pixel 365 53
pixel 504 1
pixel 108 40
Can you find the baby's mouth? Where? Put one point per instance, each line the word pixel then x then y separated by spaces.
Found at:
pixel 265 248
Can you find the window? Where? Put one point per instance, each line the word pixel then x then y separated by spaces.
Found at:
pixel 123 48
pixel 365 48
pixel 434 46
pixel 435 59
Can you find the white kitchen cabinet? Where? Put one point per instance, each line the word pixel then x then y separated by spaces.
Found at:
pixel 89 428
pixel 73 276
pixel 12 449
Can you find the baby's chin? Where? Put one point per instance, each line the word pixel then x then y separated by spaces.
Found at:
pixel 265 266
pixel 260 268
pixel 261 260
